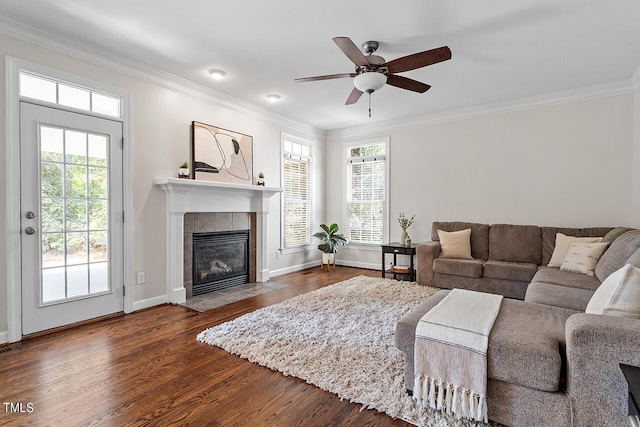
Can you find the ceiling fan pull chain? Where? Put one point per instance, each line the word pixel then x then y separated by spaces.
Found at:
pixel 369 104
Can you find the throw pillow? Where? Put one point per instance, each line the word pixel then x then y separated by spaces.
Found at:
pixel 563 243
pixel 583 257
pixel 455 244
pixel 618 295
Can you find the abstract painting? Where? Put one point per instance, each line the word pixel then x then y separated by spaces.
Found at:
pixel 221 155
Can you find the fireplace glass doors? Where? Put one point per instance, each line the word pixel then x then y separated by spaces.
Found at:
pixel 220 260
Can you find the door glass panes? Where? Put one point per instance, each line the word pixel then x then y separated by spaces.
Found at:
pixel 75 97
pixel 105 104
pixel 74 213
pixel 38 88
pixel 44 89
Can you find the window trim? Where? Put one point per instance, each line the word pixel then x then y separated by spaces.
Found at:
pixel 345 191
pixel 305 246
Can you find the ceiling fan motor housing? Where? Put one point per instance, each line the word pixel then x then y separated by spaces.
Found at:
pixel 370 47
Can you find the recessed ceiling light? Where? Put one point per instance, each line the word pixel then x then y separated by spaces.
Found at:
pixel 216 74
pixel 273 97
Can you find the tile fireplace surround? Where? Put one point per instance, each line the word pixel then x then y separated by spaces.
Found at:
pixel 193 196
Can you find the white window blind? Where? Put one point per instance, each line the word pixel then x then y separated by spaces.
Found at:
pixel 297 198
pixel 366 192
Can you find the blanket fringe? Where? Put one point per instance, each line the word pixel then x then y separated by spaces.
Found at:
pixel 449 398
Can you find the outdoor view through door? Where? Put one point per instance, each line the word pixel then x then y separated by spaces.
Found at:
pixel 74 211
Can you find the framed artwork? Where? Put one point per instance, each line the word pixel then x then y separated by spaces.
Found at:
pixel 221 155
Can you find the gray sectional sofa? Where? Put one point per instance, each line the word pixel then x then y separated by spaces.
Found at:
pixel 549 363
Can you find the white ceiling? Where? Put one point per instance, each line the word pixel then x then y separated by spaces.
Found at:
pixel 502 50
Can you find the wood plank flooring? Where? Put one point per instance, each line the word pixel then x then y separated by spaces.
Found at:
pixel 147 369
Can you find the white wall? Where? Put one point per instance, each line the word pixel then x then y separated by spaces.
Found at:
pixel 560 165
pixel 636 159
pixel 160 135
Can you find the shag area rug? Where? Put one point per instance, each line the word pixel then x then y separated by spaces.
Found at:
pixel 339 338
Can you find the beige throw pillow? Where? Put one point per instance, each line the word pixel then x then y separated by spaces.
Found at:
pixel 618 295
pixel 582 257
pixel 455 244
pixel 563 243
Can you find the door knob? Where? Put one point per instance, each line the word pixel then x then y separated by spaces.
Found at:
pixel 30 230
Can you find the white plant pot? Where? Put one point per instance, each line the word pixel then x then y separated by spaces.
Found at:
pixel 183 172
pixel 328 258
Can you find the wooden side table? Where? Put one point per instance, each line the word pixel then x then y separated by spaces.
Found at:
pixel 396 249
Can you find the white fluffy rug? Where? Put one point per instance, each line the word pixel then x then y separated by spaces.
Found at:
pixel 339 338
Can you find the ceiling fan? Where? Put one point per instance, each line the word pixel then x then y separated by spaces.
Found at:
pixel 373 71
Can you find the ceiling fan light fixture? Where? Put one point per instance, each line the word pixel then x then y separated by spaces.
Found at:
pixel 273 97
pixel 370 81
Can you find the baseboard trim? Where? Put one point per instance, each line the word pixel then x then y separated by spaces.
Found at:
pixel 150 302
pixel 358 264
pixel 4 337
pixel 294 268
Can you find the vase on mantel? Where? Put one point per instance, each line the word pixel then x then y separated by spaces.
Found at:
pixel 403 236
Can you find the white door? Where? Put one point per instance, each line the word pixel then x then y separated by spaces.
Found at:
pixel 71 215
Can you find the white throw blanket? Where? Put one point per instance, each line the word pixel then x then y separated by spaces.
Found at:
pixel 450 358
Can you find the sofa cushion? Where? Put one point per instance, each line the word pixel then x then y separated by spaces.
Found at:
pixel 519 271
pixel 583 257
pixel 558 296
pixel 516 243
pixel 549 237
pixel 615 233
pixel 564 278
pixel 563 243
pixel 618 253
pixel 458 267
pixel 635 259
pixel 619 294
pixel 479 235
pixel 524 344
pixel 455 244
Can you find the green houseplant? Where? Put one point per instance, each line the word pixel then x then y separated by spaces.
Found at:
pixel 330 240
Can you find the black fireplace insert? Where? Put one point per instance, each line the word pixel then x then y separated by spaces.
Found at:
pixel 220 260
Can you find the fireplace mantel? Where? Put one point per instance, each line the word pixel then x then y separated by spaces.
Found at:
pixel 187 195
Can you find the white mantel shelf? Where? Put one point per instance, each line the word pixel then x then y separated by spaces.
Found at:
pixel 188 195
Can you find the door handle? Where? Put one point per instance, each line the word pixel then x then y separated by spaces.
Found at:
pixel 30 230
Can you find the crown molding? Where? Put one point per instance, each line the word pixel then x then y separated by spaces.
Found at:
pixel 563 97
pixel 150 74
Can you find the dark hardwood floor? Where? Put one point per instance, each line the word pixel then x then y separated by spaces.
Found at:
pixel 146 368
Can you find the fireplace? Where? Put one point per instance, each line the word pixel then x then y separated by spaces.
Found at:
pixel 220 260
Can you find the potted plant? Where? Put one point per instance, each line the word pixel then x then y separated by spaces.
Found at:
pixel 260 178
pixel 330 240
pixel 183 171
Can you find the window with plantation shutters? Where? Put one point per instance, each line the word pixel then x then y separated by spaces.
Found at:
pixel 366 192
pixel 297 198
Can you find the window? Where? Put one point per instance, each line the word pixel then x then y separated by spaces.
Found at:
pixel 56 92
pixel 297 207
pixel 367 192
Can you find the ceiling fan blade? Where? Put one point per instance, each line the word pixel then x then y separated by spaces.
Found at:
pixel 419 60
pixel 409 84
pixel 353 96
pixel 327 77
pixel 352 51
